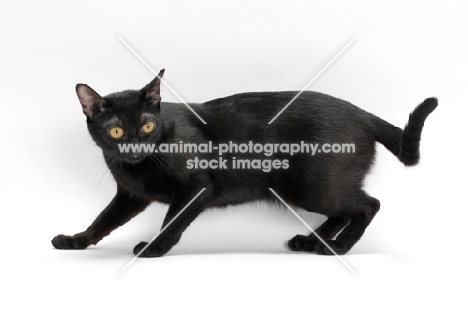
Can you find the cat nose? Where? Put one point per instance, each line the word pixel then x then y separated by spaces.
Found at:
pixel 135 141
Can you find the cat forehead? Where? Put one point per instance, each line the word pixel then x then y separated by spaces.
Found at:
pixel 128 94
pixel 117 120
pixel 112 121
pixel 125 99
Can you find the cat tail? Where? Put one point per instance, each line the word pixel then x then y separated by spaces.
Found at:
pixel 405 143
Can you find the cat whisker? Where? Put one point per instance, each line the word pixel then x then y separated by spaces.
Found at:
pixel 159 162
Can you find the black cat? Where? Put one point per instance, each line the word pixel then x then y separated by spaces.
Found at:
pixel 326 183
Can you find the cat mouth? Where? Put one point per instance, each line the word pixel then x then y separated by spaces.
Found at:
pixel 133 158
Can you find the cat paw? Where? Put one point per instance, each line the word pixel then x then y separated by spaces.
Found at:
pixel 149 252
pixel 69 242
pixel 322 249
pixel 302 243
pixel 296 244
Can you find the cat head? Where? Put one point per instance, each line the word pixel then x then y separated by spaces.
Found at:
pixel 128 117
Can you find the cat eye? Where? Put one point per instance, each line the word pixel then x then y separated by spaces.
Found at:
pixel 116 132
pixel 148 127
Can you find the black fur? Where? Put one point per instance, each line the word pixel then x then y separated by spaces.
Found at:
pixel 326 183
pixel 405 144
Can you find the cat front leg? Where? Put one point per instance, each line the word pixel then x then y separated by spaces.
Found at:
pixel 121 209
pixel 176 221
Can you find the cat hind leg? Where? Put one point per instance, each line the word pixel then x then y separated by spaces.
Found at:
pixel 326 231
pixel 361 216
pixel 352 224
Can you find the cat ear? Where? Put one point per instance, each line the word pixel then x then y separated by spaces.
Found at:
pixel 90 100
pixel 153 89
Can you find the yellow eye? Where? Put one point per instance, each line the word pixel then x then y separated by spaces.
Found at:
pixel 148 127
pixel 116 132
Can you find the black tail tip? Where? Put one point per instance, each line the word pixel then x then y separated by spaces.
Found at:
pixel 409 146
pixel 429 104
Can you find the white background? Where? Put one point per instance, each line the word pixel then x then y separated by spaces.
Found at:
pixel 413 255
